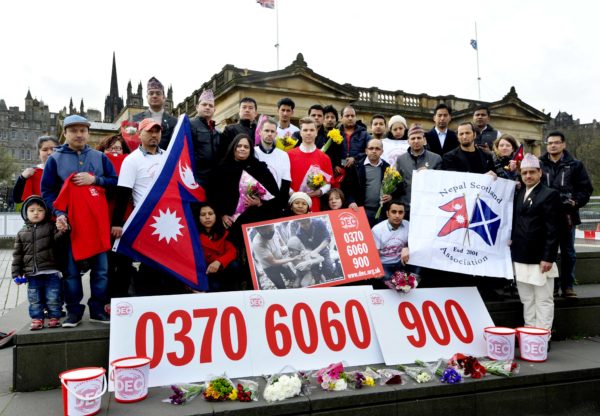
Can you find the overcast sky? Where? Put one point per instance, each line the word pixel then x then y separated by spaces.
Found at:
pixel 546 49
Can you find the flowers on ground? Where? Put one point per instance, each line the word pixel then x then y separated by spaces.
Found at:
pixel 184 393
pixel 282 387
pixel 468 365
pixel 420 374
pixel 506 368
pixel 332 378
pixel 220 389
pixel 402 281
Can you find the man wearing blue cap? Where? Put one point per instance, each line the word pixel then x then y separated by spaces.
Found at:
pixel 155 93
pixel 82 166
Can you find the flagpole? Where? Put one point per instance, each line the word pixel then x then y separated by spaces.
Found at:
pixel 277 30
pixel 477 51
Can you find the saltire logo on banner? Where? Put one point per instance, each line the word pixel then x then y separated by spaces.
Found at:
pixel 161 231
pixel 484 221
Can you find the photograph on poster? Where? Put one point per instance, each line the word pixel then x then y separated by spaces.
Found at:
pixel 295 253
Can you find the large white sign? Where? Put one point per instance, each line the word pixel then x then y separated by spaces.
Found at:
pixel 427 324
pixel 189 337
pixel 461 222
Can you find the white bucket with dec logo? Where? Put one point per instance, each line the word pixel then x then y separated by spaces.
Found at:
pixel 82 390
pixel 533 343
pixel 130 377
pixel 500 342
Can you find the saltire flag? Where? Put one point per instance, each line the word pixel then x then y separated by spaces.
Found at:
pixel 269 4
pixel 460 218
pixel 485 222
pixel 474 43
pixel 161 231
pixel 519 155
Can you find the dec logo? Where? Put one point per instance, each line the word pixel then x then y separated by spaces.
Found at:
pixel 348 221
pixel 256 301
pixel 500 347
pixel 376 299
pixel 124 309
pixel 130 383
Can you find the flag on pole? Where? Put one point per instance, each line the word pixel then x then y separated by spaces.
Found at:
pixel 161 231
pixel 269 4
pixel 460 218
pixel 474 43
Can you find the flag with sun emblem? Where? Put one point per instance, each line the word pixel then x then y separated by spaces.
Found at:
pixel 161 231
pixel 461 222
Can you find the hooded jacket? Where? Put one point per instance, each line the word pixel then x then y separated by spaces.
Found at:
pixel 35 243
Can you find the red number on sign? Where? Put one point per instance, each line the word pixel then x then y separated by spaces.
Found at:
pixel 158 335
pixel 351 305
pixel 272 329
pixel 206 346
pixel 451 306
pixel 242 336
pixel 181 336
pixel 414 323
pixel 313 335
pixel 327 324
pixel 428 307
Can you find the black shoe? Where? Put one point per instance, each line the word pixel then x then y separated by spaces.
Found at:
pixel 101 318
pixel 72 321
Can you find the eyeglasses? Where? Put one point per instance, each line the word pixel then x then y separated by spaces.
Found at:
pixel 115 148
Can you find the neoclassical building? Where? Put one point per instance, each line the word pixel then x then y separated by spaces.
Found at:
pixel 306 87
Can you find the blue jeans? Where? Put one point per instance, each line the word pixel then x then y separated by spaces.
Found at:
pixel 44 292
pixel 73 288
pixel 567 259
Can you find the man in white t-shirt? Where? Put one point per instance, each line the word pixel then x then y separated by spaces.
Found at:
pixel 276 159
pixel 391 239
pixel 285 111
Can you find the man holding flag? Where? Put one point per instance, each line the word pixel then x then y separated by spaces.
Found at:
pixel 161 232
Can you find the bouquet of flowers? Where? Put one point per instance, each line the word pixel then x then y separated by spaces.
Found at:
pixel 421 373
pixel 286 143
pixel 249 187
pixel 281 387
pixel 184 393
pixel 332 378
pixel 389 376
pixel 391 180
pixel 359 379
pixel 334 136
pixel 467 365
pixel 314 180
pixel 402 281
pixel 506 368
pixel 219 389
pixel 446 373
pixel 247 390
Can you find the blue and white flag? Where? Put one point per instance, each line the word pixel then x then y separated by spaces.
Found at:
pixel 474 43
pixel 444 236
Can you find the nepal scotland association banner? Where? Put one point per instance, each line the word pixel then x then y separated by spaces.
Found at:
pixel 161 231
pixel 461 222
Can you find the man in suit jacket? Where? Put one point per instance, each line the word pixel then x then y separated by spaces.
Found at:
pixel 535 244
pixel 156 101
pixel 440 139
pixel 205 138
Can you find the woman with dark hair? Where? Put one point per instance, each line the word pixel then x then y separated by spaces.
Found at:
pixel 504 150
pixel 219 253
pixel 29 182
pixel 225 193
pixel 115 148
pixel 334 199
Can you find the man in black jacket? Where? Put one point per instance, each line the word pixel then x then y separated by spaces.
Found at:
pixel 205 138
pixel 486 134
pixel 467 157
pixel 247 114
pixel 440 139
pixel 535 244
pixel 568 176
pixel 156 101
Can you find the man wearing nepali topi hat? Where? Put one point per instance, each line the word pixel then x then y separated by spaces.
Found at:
pixel 535 244
pixel 156 110
pixel 205 137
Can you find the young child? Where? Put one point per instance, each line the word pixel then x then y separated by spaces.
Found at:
pixel 299 203
pixel 34 262
pixel 219 253
pixel 396 142
pixel 334 199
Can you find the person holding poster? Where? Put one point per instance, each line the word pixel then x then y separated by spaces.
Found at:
pixel 307 157
pixel 535 244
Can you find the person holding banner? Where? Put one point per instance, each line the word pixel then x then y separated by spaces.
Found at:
pixel 467 157
pixel 504 149
pixel 535 244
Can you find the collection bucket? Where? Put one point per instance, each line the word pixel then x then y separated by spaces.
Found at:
pixel 82 390
pixel 130 377
pixel 533 343
pixel 500 342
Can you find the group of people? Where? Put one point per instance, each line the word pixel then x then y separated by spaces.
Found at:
pixel 324 163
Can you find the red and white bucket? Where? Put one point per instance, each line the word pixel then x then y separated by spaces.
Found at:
pixel 533 343
pixel 500 342
pixel 130 377
pixel 82 390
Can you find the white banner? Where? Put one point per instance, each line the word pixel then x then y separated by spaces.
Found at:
pixel 461 222
pixel 427 324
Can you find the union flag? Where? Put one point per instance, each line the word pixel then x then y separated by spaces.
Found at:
pixel 161 231
pixel 460 218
